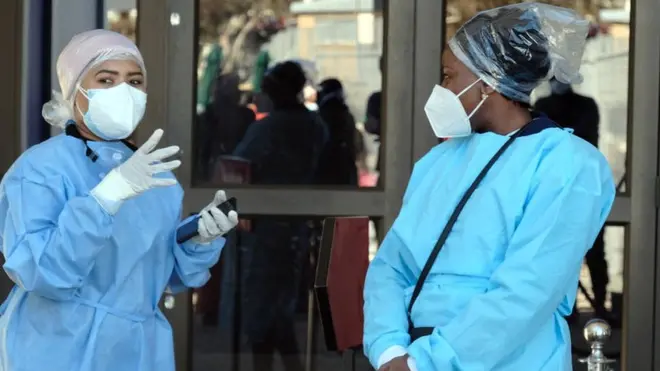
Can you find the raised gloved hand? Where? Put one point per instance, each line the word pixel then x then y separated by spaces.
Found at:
pixel 136 175
pixel 213 222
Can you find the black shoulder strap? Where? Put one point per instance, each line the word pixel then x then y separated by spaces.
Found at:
pixel 452 220
pixel 72 131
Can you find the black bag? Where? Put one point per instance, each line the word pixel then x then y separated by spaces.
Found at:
pixel 417 332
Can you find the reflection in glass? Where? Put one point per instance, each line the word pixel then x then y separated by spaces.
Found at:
pixel 600 293
pixel 255 310
pixel 121 16
pixel 606 51
pixel 338 48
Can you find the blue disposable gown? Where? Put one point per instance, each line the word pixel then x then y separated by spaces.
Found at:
pixel 87 283
pixel 508 273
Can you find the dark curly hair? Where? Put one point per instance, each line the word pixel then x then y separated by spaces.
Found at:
pixel 283 83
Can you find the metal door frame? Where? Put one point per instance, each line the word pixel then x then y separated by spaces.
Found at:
pixel 11 68
pixel 640 294
pixel 170 55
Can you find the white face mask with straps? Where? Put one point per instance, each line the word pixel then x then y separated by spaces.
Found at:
pixel 446 113
pixel 114 113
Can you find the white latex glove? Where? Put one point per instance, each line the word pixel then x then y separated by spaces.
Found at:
pixel 213 222
pixel 136 175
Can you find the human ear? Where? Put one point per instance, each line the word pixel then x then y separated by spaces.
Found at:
pixel 486 89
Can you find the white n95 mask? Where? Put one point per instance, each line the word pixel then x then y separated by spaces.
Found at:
pixel 114 113
pixel 446 113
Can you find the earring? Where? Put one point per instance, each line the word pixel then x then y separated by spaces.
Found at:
pixel 484 96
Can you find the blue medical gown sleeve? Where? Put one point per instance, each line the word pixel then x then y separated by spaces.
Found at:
pixel 50 240
pixel 561 219
pixel 385 318
pixel 385 312
pixel 192 262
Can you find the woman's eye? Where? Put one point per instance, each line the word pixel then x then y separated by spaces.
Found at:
pixel 105 81
pixel 136 82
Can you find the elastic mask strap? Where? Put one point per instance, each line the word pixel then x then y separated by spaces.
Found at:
pixel 483 97
pixel 469 87
pixel 483 100
pixel 84 93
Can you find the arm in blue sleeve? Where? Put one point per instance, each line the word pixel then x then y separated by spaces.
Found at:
pixel 560 222
pixel 385 314
pixel 192 262
pixel 50 242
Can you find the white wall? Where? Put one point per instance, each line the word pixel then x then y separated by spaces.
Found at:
pixel 120 4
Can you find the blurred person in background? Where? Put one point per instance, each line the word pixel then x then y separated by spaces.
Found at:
pixel 372 123
pixel 337 165
pixel 482 263
pixel 283 148
pixel 89 225
pixel 580 113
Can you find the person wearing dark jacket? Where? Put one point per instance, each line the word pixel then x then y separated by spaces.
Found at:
pixel 337 164
pixel 283 148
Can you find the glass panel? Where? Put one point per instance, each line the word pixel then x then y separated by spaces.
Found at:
pixel 606 123
pixel 121 16
pixel 608 51
pixel 310 131
pixel 263 283
pixel 600 293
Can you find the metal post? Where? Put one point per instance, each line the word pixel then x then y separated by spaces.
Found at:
pixel 349 359
pixel 238 297
pixel 312 310
pixel 597 332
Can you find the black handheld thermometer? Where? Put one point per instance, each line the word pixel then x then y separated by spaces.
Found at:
pixel 190 229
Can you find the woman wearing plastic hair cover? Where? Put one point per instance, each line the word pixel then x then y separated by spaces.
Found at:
pixel 481 265
pixel 88 225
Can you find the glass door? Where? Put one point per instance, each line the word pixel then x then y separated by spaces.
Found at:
pixel 207 64
pixel 208 67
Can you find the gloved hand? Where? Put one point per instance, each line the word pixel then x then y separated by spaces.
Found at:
pixel 213 222
pixel 136 175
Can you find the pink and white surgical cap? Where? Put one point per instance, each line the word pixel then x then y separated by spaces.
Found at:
pixel 85 51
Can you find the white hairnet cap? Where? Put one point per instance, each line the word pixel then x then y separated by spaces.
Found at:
pixel 85 51
pixel 516 47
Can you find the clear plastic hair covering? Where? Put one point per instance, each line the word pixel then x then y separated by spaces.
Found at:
pixel 84 52
pixel 516 47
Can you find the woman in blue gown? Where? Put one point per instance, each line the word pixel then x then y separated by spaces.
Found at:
pixel 88 225
pixel 506 270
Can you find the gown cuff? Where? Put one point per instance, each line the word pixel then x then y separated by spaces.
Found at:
pixel 391 353
pixel 412 365
pixel 394 352
pixel 111 192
